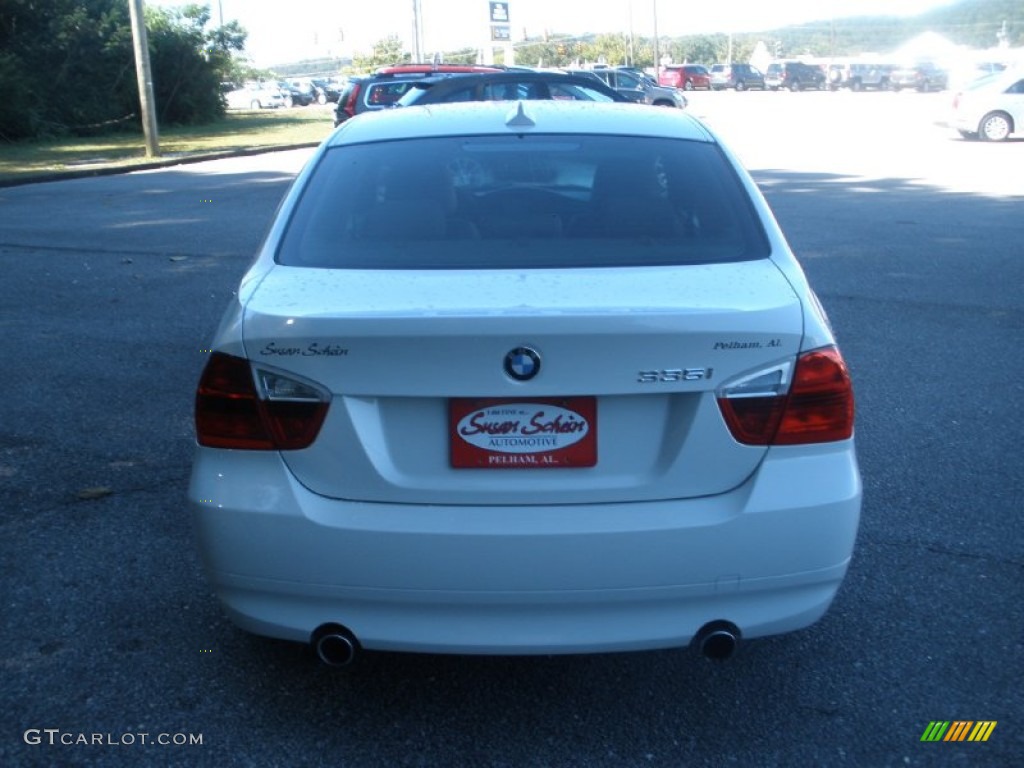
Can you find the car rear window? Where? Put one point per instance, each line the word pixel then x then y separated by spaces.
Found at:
pixel 386 94
pixel 533 89
pixel 534 201
pixel 425 92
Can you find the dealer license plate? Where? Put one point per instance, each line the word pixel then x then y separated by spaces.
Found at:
pixel 558 432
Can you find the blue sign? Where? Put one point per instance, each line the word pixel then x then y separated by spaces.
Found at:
pixel 499 13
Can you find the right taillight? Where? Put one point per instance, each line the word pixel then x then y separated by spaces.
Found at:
pixel 816 406
pixel 270 411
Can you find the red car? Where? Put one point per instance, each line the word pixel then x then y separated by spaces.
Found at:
pixel 689 77
pixel 388 84
pixel 434 69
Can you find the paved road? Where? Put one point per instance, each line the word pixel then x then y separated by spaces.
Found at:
pixel 112 286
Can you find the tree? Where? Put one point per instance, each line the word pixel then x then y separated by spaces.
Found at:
pixel 190 62
pixel 610 49
pixel 67 66
pixel 386 52
pixel 462 56
pixel 20 116
pixel 69 62
pixel 699 49
pixel 538 52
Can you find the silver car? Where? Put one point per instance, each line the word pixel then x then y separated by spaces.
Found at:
pixel 637 86
pixel 991 108
pixel 255 96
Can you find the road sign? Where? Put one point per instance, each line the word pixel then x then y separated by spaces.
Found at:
pixel 499 13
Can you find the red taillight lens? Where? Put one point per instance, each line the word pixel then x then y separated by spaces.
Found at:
pixel 817 409
pixel 227 408
pixel 232 413
pixel 350 103
pixel 753 420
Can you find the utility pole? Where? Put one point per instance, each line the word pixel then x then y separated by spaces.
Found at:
pixel 657 53
pixel 631 59
pixel 417 32
pixel 1003 37
pixel 144 78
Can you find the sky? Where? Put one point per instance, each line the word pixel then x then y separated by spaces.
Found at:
pixel 280 33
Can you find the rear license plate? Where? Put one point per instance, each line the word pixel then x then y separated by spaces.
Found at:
pixel 557 432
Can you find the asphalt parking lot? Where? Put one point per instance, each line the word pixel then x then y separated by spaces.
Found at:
pixel 112 286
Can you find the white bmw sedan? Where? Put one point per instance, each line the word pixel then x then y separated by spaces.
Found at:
pixel 524 378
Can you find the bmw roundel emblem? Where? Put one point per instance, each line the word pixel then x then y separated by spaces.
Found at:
pixel 522 363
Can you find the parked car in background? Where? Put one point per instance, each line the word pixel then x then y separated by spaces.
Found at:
pixel 859 76
pixel 923 77
pixel 636 86
pixel 962 76
pixel 326 91
pixel 793 76
pixel 508 86
pixel 531 381
pixel 297 93
pixel 255 96
pixel 387 85
pixel 689 77
pixel 991 108
pixel 740 77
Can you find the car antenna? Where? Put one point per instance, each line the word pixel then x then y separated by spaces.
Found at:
pixel 520 119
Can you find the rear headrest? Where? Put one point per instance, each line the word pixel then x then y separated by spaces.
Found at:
pixel 418 180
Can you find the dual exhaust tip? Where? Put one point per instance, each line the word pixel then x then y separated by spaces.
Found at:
pixel 336 646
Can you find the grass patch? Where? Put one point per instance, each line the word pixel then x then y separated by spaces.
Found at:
pixel 240 129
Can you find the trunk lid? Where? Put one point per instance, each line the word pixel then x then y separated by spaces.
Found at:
pixel 412 357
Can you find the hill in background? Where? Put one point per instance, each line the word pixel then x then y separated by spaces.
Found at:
pixel 980 24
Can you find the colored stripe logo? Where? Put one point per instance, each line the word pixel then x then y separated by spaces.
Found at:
pixel 958 730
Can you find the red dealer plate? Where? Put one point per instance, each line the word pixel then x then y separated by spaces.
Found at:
pixel 523 434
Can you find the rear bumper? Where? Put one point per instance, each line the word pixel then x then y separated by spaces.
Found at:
pixel 961 122
pixel 768 556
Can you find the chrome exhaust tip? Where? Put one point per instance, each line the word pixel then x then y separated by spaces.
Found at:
pixel 717 640
pixel 335 645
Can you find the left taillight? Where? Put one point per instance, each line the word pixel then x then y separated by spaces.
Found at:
pixel 766 408
pixel 349 107
pixel 256 408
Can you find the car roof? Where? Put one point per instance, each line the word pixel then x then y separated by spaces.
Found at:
pixel 406 72
pixel 514 75
pixel 402 69
pixel 596 71
pixel 521 76
pixel 489 118
pixel 996 81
